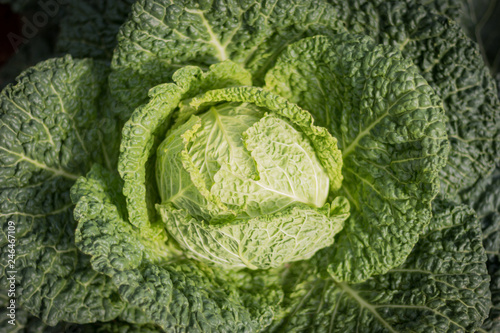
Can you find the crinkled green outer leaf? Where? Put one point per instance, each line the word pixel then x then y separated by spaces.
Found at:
pixel 146 127
pixel 162 36
pixel 51 125
pixel 178 296
pixel 442 287
pixel 90 27
pixel 293 234
pixel 138 145
pixel 27 323
pixel 498 83
pixel 116 327
pixel 485 199
pixel 390 129
pixel 24 322
pixel 480 20
pixel 51 130
pixel 452 9
pixel 451 63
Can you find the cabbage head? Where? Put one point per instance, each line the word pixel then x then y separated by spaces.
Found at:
pixel 253 166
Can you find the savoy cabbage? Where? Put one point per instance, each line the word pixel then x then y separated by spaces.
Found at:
pixel 253 166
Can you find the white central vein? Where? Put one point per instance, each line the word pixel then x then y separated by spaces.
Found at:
pixel 213 37
pixel 71 116
pixel 57 172
pixel 362 134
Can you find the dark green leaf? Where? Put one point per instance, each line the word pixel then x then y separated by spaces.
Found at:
pixel 51 130
pixel 162 36
pixel 89 27
pixel 442 287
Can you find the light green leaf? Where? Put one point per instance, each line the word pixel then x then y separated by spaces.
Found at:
pixel 174 182
pixel 147 126
pixel 200 147
pixel 234 161
pixel 218 142
pixel 262 170
pixel 442 287
pixel 322 142
pixel 292 234
pixel 287 167
pixel 390 128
